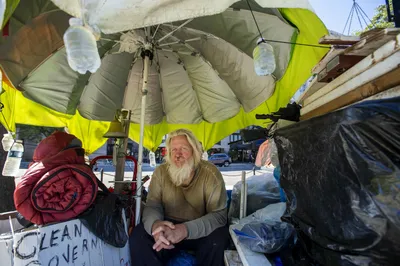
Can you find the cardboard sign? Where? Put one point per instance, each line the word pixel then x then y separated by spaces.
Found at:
pixel 64 244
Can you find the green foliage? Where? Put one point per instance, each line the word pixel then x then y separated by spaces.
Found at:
pixel 33 133
pixel 379 20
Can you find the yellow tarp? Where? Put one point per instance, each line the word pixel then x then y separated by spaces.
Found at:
pixel 20 110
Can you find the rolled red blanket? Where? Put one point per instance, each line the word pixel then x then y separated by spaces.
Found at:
pixel 56 188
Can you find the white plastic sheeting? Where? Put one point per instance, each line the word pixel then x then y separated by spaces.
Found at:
pixel 120 15
pixel 2 11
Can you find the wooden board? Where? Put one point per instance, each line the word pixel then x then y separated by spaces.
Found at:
pixel 248 257
pixel 328 57
pixel 390 93
pixel 339 40
pixel 372 42
pixel 313 87
pixel 380 84
pixel 354 73
pixel 337 66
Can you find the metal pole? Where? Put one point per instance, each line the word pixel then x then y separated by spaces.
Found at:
pixel 101 174
pixel 122 145
pixel 243 193
pixel 245 198
pixel 396 13
pixel 142 116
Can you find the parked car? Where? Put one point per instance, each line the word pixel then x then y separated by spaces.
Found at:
pixel 220 159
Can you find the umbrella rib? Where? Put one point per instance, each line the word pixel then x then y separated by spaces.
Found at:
pixel 155 32
pixel 175 51
pixel 110 40
pixel 172 32
pixel 160 81
pixel 185 41
pixel 194 52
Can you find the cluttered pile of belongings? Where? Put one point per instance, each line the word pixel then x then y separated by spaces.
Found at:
pixel 59 186
pixel 339 176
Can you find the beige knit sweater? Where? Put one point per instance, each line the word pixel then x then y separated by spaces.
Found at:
pixel 201 205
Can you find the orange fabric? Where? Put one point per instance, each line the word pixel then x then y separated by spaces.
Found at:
pixel 263 155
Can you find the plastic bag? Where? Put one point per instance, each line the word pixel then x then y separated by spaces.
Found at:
pixel 266 237
pixel 262 190
pixel 105 220
pixel 277 176
pixel 272 212
pixel 341 175
pixel 182 259
pixel 267 154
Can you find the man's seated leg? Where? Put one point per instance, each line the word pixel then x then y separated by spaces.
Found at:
pixel 142 252
pixel 209 249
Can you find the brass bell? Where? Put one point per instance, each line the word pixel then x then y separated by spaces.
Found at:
pixel 116 130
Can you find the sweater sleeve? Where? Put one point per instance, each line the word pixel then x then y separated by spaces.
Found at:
pixel 153 210
pixel 217 213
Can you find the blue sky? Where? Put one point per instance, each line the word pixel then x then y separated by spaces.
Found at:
pixel 334 13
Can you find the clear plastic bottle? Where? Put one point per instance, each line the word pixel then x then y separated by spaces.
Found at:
pixel 152 158
pixel 81 47
pixel 7 141
pixel 264 58
pixel 14 157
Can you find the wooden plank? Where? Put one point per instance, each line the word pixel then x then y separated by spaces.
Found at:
pixel 337 66
pixel 333 103
pixel 370 32
pixel 248 257
pixel 232 258
pixel 328 57
pixel 390 93
pixel 313 87
pixel 5 215
pixel 372 42
pixel 339 40
pixel 353 73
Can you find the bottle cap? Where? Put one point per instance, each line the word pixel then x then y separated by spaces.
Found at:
pixel 260 40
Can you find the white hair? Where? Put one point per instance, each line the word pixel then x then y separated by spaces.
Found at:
pixel 193 141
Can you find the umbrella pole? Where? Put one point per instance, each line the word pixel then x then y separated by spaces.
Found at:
pixel 146 60
pixel 120 153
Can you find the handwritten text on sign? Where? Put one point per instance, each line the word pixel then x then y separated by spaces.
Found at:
pixel 68 243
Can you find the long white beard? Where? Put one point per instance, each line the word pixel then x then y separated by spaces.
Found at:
pixel 180 175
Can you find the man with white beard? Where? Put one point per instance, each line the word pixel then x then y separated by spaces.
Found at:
pixel 186 208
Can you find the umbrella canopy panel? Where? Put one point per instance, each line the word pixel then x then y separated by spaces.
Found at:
pixel 22 63
pixel 120 15
pixel 203 71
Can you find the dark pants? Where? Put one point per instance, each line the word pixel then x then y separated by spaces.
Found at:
pixel 209 250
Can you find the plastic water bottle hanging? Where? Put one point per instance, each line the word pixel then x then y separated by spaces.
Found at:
pixel 152 158
pixel 7 141
pixel 264 58
pixel 14 158
pixel 81 47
